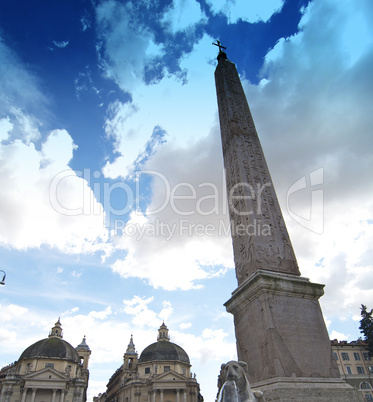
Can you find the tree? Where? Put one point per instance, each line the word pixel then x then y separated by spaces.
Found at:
pixel 366 327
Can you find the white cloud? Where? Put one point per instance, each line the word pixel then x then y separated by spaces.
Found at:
pixel 247 10
pixel 338 335
pixel 19 87
pixel 101 314
pixel 5 128
pixel 11 311
pixel 7 337
pixel 142 315
pixel 54 192
pixel 166 312
pixel 168 248
pixel 128 45
pixel 71 311
pixel 61 44
pixel 76 275
pixel 183 14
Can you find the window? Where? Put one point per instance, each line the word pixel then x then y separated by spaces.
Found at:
pixel 49 365
pixel 166 368
pixel 345 356
pixel 360 370
pixel 184 370
pixel 335 356
pixel 365 385
pixel 366 356
pixel 370 369
pixel 147 370
pixel 348 368
pixel 356 356
pixel 369 397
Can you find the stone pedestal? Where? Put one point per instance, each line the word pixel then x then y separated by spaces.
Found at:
pixel 281 335
pixel 308 389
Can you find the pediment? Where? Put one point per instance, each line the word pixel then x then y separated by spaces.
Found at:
pixel 46 374
pixel 170 376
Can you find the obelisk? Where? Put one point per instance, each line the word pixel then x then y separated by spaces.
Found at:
pixel 279 327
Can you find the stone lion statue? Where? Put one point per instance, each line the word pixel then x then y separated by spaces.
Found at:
pixel 234 385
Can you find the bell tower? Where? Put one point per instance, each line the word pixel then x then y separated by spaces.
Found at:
pixel 130 357
pixel 84 352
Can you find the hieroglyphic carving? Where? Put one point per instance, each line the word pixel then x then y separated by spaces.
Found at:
pixel 252 198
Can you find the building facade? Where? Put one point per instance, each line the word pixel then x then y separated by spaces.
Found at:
pixel 50 370
pixel 355 365
pixel 160 374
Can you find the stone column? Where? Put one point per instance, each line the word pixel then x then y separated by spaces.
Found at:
pixel 54 395
pixel 33 394
pixel 177 395
pixel 62 397
pixel 8 392
pixel 154 395
pixel 185 396
pixel 24 394
pixel 2 396
pixel 161 391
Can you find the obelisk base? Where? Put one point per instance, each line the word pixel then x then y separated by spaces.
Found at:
pixel 280 330
pixel 281 335
pixel 308 389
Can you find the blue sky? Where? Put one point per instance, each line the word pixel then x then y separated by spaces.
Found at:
pixel 113 211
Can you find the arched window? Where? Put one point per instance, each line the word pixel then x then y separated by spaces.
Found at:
pixel 365 385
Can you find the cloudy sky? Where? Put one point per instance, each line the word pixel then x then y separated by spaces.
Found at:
pixel 113 213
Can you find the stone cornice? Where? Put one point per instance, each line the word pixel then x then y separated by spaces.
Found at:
pixel 263 281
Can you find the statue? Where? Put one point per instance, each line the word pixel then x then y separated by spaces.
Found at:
pixel 234 385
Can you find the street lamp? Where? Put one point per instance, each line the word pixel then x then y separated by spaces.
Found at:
pixel 3 280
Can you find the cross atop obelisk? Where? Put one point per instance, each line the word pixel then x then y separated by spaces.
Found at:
pixel 221 52
pixel 219 45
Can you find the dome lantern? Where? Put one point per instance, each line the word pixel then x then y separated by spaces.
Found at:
pixel 163 334
pixel 56 331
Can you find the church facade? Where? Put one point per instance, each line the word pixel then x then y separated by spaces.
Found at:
pixel 50 370
pixel 160 374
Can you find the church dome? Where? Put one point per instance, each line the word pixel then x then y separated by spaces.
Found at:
pixel 163 349
pixel 51 348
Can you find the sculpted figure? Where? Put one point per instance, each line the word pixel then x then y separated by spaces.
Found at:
pixel 234 385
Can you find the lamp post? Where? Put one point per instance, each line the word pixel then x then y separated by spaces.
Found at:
pixel 2 282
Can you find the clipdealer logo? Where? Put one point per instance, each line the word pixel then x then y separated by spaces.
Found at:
pixel 313 218
pixel 97 199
